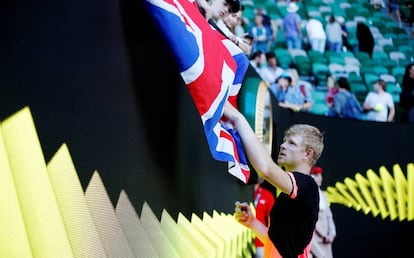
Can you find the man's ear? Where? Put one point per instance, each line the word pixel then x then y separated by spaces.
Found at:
pixel 309 154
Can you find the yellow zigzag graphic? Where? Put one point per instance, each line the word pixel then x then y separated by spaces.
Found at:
pixel 45 212
pixel 391 196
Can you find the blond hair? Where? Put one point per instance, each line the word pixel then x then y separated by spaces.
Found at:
pixel 312 139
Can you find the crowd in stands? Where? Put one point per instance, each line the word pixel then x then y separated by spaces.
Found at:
pixel 322 43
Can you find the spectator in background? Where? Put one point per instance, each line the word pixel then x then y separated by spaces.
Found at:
pixel 316 34
pixel 292 27
pixel 280 86
pixel 410 5
pixel 379 104
pixel 377 4
pixel 345 42
pixel 334 35
pixel 271 71
pixel 305 86
pixel 365 39
pixel 340 98
pixel 258 60
pixel 240 28
pixel 261 34
pixel 226 26
pixel 233 19
pixel 325 230
pixel 268 22
pixel 407 93
pixel 394 9
pixel 229 10
pixel 263 203
pixel 332 89
pixel 291 94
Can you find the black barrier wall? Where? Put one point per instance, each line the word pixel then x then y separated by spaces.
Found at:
pixel 86 69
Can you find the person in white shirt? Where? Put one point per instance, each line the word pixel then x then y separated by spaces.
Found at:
pixel 271 71
pixel 316 34
pixel 379 103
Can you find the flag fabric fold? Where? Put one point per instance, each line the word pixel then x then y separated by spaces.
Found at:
pixel 209 67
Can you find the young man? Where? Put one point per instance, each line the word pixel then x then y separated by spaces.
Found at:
pixel 295 212
pixel 378 104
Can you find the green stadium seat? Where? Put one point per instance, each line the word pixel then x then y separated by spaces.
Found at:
pixel 317 57
pixel 319 96
pixel 320 71
pixel 369 79
pixel 303 65
pixel 362 56
pixel 283 57
pixel 379 69
pixel 378 56
pixel 398 70
pixel 319 109
pixel 394 88
pixel 355 78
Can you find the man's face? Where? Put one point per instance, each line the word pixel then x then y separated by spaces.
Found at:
pixel 220 8
pixel 291 151
pixel 272 62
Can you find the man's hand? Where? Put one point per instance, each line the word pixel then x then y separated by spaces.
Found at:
pixel 230 112
pixel 243 214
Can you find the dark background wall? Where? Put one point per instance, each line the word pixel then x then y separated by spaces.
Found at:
pixel 96 76
pixel 86 70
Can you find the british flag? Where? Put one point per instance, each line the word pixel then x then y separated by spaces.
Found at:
pixel 210 72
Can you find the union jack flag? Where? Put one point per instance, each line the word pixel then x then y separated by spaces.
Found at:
pixel 210 72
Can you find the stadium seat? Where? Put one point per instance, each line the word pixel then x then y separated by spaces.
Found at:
pixel 297 52
pixel 319 108
pixel 396 56
pixel 398 70
pixel 349 60
pixel 394 88
pixel 318 96
pixel 337 69
pixel 359 89
pixel 369 79
pixel 379 69
pixel 378 56
pixel 317 57
pixel 362 56
pixel 388 78
pixel 354 77
pixel 385 41
pixel 389 48
pixel 283 57
pixel 303 65
pixel 320 72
